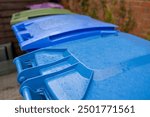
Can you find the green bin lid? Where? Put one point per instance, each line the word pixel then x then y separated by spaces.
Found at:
pixel 25 15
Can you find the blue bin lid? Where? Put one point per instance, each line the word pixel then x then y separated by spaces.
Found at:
pixel 96 67
pixel 51 30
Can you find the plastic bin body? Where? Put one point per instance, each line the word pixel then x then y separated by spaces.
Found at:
pixel 95 67
pixel 51 30
pixel 28 14
pixel 45 5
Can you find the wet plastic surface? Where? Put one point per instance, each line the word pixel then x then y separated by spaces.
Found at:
pixel 52 31
pixel 95 67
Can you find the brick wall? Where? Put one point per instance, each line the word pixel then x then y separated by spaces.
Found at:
pixel 141 13
pixel 7 8
pixel 132 16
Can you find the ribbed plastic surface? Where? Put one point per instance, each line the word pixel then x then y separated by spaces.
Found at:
pixel 52 30
pixel 28 14
pixel 95 67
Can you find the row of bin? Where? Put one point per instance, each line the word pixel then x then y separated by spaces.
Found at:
pixel 72 56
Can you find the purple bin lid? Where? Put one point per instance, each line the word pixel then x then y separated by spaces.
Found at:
pixel 45 5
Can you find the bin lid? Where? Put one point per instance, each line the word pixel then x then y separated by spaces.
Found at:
pixel 73 83
pixel 45 5
pixel 28 14
pixel 109 67
pixel 127 81
pixel 51 30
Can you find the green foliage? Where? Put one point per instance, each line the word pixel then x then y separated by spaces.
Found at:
pixel 122 11
pixel 148 36
pixel 107 12
pixel 84 5
pixel 103 3
pixel 114 2
pixel 108 15
pixel 129 22
pixel 93 13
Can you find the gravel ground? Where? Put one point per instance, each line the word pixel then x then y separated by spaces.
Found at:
pixel 9 88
